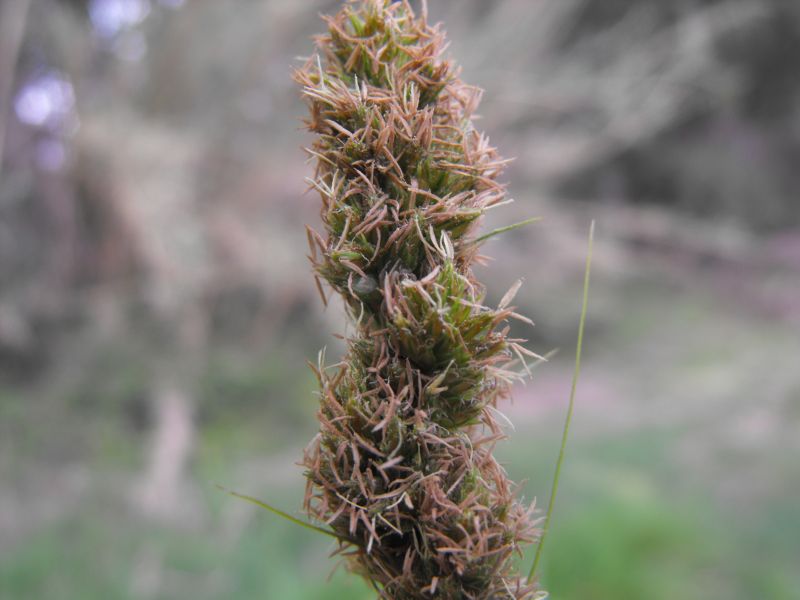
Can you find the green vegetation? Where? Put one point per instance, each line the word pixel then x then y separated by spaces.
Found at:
pixel 627 529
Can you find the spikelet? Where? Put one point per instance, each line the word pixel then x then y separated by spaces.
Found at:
pixel 402 470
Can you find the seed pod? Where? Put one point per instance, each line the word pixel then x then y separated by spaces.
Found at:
pixel 402 470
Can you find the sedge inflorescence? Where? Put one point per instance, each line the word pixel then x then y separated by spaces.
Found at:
pixel 402 471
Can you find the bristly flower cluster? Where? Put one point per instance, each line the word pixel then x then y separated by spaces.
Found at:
pixel 402 471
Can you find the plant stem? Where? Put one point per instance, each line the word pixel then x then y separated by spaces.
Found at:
pixel 570 410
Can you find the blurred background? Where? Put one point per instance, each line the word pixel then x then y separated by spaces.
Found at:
pixel 157 308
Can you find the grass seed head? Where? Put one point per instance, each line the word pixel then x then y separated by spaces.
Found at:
pixel 403 470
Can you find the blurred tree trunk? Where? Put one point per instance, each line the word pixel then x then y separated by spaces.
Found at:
pixel 170 449
pixel 13 21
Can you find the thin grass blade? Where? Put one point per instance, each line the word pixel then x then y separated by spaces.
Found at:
pixel 507 228
pixel 570 410
pixel 280 513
